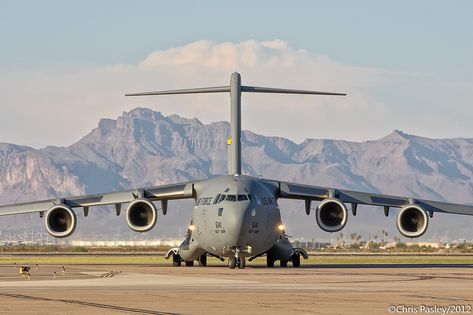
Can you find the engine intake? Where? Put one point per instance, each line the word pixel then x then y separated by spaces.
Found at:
pixel 412 221
pixel 331 215
pixel 141 215
pixel 60 221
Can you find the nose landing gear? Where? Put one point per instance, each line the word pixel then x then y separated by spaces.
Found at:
pixel 242 263
pixel 235 261
pixel 232 262
pixel 237 258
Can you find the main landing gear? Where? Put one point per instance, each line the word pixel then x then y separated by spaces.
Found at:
pixel 177 259
pixel 202 260
pixel 295 259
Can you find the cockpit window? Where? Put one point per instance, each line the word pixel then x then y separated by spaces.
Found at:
pixel 231 198
pixel 242 197
pixel 221 198
pixel 216 199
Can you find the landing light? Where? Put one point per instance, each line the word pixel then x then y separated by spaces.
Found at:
pixel 281 227
pixel 192 227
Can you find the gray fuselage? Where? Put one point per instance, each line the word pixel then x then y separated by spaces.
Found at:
pixel 232 214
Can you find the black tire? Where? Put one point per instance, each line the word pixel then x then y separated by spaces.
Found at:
pixel 232 262
pixel 283 263
pixel 176 260
pixel 296 261
pixel 176 264
pixel 189 263
pixel 203 260
pixel 241 263
pixel 269 262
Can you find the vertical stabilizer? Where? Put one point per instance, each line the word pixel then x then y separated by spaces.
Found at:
pixel 235 88
pixel 234 162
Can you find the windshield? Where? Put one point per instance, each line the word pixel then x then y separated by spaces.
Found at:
pixel 231 198
pixel 242 197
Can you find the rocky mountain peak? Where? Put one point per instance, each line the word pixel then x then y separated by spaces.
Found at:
pixel 397 135
pixel 143 147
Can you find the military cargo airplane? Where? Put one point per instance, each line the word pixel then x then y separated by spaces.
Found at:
pixel 236 216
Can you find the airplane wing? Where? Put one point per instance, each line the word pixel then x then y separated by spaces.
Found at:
pixel 164 192
pixel 141 212
pixel 412 220
pixel 308 192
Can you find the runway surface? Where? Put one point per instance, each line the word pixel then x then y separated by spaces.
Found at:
pixel 160 289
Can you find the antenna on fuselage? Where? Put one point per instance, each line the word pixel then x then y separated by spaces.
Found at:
pixel 235 88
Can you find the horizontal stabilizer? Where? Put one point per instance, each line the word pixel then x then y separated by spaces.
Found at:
pixel 259 89
pixel 216 89
pixel 235 89
pixel 244 88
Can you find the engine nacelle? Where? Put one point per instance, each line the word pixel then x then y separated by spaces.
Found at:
pixel 412 221
pixel 331 215
pixel 60 221
pixel 141 215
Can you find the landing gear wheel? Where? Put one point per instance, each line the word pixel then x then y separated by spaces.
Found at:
pixel 269 261
pixel 283 263
pixel 189 263
pixel 203 260
pixel 232 262
pixel 241 263
pixel 176 260
pixel 296 261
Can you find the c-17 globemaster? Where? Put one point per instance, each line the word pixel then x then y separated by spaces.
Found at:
pixel 236 216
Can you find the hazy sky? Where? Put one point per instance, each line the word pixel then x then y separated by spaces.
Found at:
pixel 405 64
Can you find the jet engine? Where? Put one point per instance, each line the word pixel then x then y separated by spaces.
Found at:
pixel 141 215
pixel 331 215
pixel 412 221
pixel 60 221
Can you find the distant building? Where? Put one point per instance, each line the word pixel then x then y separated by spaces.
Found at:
pixel 436 245
pixel 143 243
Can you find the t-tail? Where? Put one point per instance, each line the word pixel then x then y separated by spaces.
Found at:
pixel 235 88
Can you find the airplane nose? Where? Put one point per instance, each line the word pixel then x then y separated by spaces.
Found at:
pixel 236 223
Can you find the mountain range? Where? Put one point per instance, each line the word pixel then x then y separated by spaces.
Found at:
pixel 143 147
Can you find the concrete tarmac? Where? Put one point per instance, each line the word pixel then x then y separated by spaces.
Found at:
pixel 160 289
